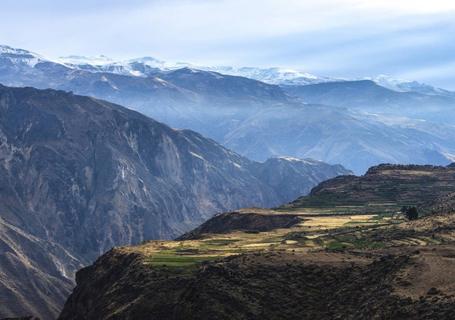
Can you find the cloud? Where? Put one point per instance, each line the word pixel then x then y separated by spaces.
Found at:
pixel 406 6
pixel 339 37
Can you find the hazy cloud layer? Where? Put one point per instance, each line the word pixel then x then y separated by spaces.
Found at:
pixel 350 38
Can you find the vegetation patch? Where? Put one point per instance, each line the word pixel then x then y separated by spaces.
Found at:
pixel 167 259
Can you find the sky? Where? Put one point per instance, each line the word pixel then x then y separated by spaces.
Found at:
pixel 409 39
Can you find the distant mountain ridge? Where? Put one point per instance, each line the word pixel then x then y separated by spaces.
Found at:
pixel 368 96
pixel 145 66
pixel 148 66
pixel 355 123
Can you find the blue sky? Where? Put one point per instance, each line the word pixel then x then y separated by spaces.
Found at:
pixel 411 39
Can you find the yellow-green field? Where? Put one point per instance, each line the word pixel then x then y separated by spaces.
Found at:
pixel 313 233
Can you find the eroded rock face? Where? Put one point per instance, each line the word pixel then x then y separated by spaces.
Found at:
pixel 85 175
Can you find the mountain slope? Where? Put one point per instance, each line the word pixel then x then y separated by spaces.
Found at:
pixel 79 176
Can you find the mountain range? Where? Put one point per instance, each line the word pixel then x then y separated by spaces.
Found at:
pixel 80 176
pixel 356 123
pixel 146 66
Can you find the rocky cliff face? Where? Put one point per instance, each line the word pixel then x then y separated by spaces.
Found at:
pixel 79 176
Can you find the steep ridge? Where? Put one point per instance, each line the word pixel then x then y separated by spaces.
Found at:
pixel 301 261
pixel 80 176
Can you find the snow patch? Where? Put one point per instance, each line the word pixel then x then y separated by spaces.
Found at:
pixel 304 161
pixel 197 155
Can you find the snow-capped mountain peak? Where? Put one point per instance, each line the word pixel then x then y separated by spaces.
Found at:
pixel 149 61
pixel 306 161
pixel 9 50
pixel 20 56
pixel 140 67
pixel 144 66
pixel 148 66
pixel 274 75
pixel 403 85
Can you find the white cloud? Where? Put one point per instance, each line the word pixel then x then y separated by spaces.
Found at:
pixel 406 6
pixel 329 36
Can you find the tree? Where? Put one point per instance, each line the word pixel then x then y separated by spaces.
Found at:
pixel 410 213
